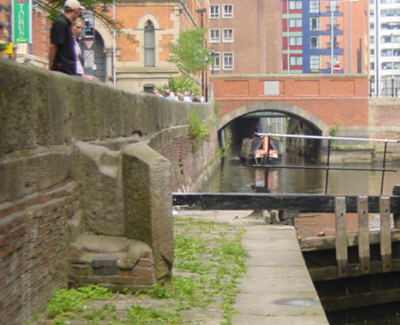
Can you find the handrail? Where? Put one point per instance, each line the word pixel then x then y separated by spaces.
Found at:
pixel 325 137
pixel 327 167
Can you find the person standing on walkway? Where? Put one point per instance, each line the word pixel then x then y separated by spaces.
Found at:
pixel 77 27
pixel 61 52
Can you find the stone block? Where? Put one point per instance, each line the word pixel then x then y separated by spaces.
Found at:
pixel 104 265
pixel 147 187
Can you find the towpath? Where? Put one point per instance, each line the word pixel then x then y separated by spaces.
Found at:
pixel 277 288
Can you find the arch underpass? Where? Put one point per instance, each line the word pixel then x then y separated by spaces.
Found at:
pixel 287 109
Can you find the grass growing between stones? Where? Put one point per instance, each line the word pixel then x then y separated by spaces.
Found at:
pixel 209 261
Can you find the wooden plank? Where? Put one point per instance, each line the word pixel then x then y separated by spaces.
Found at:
pixel 341 241
pixel 327 273
pixel 328 242
pixel 363 234
pixel 386 240
pixel 268 201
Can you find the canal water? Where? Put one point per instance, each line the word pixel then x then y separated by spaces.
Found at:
pixel 234 176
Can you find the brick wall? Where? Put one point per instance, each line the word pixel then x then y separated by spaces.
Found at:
pixel 33 250
pixel 384 118
pixel 189 158
pixel 334 99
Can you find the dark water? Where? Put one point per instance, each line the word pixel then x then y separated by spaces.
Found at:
pixel 235 176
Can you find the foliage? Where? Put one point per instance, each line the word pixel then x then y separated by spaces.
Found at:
pixel 148 316
pixel 180 85
pixel 189 53
pixel 197 128
pixel 333 132
pixel 96 6
pixel 65 301
pixel 3 46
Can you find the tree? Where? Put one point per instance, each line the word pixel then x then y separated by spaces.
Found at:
pixel 95 6
pixel 189 53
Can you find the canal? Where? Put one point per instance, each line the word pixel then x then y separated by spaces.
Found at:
pixel 234 176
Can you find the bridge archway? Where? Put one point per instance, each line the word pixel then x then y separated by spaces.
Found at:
pixel 287 109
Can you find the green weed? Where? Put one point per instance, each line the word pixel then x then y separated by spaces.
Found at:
pixel 209 261
pixel 147 316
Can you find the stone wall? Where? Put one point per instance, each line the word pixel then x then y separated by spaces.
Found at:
pixel 87 172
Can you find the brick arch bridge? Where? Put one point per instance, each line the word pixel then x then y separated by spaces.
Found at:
pixel 319 100
pixel 287 109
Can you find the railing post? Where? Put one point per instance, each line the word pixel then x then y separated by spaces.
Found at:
pixel 363 234
pixel 327 166
pixel 341 236
pixel 386 234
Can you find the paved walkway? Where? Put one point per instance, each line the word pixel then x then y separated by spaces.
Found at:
pixel 277 288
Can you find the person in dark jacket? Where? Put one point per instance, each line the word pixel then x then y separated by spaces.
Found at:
pixel 61 52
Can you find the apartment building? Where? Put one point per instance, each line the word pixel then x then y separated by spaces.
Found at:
pixel 384 47
pixel 245 36
pixel 325 36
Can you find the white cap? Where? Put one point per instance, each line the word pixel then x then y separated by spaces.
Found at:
pixel 72 5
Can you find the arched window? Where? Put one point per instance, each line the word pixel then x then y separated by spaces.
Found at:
pixel 149 45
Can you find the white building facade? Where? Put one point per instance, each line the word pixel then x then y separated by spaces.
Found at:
pixel 385 48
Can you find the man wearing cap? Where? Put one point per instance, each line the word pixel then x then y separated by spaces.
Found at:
pixel 61 51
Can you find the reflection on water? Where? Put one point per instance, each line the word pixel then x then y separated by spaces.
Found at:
pixel 234 176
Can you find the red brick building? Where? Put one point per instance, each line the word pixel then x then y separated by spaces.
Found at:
pixel 134 56
pixel 246 36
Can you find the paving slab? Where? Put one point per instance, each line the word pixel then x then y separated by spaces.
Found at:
pixel 277 288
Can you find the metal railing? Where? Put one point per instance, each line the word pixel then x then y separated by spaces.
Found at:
pixel 327 166
pixel 386 88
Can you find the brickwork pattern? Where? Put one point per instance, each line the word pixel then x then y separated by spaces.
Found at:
pixel 387 116
pixel 141 276
pixel 33 250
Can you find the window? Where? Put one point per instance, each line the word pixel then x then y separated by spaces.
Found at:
pixel 314 42
pixel 314 23
pixel 228 61
pixel 295 4
pixel 295 40
pixel 149 45
pixel 214 36
pixel 216 65
pixel 315 62
pixel 227 35
pixel 314 5
pixel 390 12
pixel 295 23
pixel 148 89
pixel 214 11
pixel 296 60
pixel 228 11
pixel 387 52
pixel 386 65
pixel 391 26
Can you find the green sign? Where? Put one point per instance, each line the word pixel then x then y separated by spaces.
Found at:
pixel 22 21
